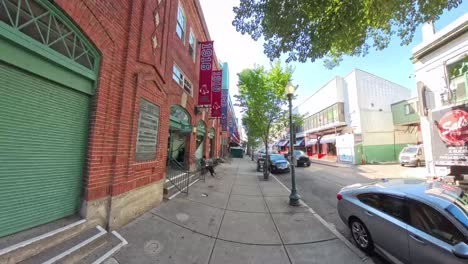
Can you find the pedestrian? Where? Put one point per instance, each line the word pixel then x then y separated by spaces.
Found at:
pixel 209 166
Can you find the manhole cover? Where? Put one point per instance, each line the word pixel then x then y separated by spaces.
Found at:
pixel 204 195
pixel 153 247
pixel 182 217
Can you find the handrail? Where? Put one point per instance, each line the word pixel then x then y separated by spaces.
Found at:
pixel 178 175
pixel 198 170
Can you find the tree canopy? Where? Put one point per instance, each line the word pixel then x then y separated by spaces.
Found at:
pixel 315 29
pixel 262 99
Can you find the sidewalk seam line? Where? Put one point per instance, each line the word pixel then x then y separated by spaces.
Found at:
pixel 224 214
pixel 273 220
pixel 353 248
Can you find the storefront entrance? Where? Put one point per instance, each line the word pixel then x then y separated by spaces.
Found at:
pixel 179 133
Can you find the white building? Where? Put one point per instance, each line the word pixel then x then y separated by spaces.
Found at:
pixel 441 69
pixel 349 119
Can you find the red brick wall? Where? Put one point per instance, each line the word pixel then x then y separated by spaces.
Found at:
pixel 133 66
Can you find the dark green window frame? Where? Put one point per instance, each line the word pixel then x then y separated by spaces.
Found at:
pixel 42 28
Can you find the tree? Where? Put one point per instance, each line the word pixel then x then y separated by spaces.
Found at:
pixel 314 29
pixel 262 99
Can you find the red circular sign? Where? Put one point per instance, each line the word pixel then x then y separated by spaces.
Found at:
pixel 453 127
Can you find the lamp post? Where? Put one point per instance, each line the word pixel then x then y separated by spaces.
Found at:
pixel 293 197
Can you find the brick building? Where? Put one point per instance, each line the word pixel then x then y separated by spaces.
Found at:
pixel 94 96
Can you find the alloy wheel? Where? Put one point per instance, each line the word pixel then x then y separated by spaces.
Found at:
pixel 360 235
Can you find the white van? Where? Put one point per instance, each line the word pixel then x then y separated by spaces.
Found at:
pixel 412 155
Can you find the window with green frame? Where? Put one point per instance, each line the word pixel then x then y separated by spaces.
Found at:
pixel 458 75
pixel 41 21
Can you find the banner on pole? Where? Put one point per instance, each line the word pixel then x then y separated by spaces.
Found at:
pixel 206 68
pixel 216 84
pixel 224 109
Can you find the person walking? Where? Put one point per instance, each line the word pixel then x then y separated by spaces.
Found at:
pixel 209 166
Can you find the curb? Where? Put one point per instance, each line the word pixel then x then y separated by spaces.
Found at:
pixel 331 164
pixel 361 255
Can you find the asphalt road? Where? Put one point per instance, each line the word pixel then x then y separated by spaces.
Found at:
pixel 318 185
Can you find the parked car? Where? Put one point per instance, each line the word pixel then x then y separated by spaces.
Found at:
pixel 412 155
pixel 278 163
pixel 301 158
pixel 408 220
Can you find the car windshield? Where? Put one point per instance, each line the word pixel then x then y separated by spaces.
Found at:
pixel 277 157
pixel 457 198
pixel 299 153
pixel 410 150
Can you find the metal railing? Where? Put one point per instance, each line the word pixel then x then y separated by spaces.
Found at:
pixel 178 175
pixel 197 169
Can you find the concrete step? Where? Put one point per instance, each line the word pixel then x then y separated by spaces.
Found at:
pixel 92 246
pixel 26 244
pixel 79 243
pixel 114 242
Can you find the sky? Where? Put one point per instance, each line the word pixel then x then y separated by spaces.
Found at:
pixel 241 52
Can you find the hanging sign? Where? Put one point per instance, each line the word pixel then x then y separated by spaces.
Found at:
pixel 216 84
pixel 224 108
pixel 206 68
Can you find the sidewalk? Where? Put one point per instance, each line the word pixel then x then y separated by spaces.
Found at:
pixel 233 218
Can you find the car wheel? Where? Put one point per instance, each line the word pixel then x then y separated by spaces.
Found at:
pixel 402 165
pixel 418 163
pixel 308 164
pixel 361 235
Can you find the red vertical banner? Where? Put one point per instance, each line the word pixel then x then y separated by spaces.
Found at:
pixel 206 68
pixel 216 94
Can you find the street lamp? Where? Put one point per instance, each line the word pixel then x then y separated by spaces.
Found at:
pixel 293 197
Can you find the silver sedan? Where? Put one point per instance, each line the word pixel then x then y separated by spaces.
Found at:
pixel 408 221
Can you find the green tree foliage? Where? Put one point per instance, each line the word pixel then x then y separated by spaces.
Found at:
pixel 314 29
pixel 262 99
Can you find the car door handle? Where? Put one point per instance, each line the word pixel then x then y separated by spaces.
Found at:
pixel 368 213
pixel 417 239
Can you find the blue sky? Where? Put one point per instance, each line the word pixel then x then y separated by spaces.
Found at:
pixel 240 52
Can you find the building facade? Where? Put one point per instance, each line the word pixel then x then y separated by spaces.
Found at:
pixel 96 98
pixel 350 120
pixel 441 69
pixel 406 122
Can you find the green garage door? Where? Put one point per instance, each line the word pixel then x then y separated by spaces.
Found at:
pixel 43 139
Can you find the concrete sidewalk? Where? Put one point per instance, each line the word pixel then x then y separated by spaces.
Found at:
pixel 236 217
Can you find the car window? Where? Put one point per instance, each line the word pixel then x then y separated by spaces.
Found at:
pixel 371 199
pixel 392 206
pixel 433 223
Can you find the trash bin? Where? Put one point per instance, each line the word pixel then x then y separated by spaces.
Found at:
pixel 237 152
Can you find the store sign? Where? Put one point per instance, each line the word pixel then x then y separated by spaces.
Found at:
pixel 224 109
pixel 453 128
pixel 206 68
pixel 450 140
pixel 147 138
pixel 216 94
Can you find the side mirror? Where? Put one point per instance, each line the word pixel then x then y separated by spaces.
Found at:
pixel 460 250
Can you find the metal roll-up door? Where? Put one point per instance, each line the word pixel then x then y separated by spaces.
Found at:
pixel 43 139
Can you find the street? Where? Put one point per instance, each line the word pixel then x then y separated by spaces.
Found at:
pixel 318 185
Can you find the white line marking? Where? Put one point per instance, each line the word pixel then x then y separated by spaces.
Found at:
pixel 114 249
pixel 177 193
pixel 332 229
pixel 102 232
pixel 43 236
